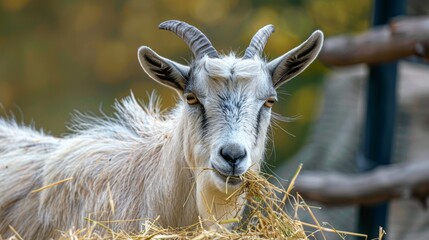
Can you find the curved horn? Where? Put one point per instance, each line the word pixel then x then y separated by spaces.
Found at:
pixel 258 41
pixel 194 38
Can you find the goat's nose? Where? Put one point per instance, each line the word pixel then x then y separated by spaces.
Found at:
pixel 233 152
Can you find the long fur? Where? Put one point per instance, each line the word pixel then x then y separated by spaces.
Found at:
pixel 122 167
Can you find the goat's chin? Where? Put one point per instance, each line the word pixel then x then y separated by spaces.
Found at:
pixel 226 184
pixel 216 199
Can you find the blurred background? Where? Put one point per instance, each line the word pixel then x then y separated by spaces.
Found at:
pixel 57 56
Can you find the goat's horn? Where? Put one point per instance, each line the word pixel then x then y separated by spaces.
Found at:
pixel 258 41
pixel 194 38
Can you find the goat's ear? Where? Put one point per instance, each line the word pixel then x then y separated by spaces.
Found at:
pixel 163 70
pixel 296 60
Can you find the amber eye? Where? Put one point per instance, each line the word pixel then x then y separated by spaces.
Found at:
pixel 270 102
pixel 191 99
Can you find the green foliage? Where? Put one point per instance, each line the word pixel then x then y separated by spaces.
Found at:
pixel 61 55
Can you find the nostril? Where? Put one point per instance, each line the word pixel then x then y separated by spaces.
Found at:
pixel 233 152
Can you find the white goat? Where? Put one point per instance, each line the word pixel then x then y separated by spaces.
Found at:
pixel 141 163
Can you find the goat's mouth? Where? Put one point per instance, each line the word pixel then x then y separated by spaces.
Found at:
pixel 228 179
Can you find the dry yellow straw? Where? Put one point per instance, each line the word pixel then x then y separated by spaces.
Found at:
pixel 266 218
pixel 51 185
pixel 15 232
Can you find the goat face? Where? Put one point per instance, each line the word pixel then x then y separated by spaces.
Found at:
pixel 227 99
pixel 228 102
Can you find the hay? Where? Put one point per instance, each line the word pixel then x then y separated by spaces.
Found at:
pixel 265 218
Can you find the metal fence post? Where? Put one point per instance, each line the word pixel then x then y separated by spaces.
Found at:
pixel 380 119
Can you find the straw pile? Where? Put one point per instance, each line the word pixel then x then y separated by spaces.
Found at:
pixel 265 218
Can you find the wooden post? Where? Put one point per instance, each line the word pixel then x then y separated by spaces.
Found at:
pixel 402 37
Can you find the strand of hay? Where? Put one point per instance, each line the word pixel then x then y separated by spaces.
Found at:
pixel 51 185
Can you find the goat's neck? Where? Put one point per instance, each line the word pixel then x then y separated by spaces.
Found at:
pixel 177 178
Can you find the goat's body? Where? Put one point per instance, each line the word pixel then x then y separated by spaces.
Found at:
pixel 122 168
pixel 141 164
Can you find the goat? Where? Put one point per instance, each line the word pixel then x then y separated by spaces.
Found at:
pixel 142 163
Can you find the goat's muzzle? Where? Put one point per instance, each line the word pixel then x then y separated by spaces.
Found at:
pixel 231 162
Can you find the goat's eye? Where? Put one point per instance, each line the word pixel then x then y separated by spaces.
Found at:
pixel 191 99
pixel 270 102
